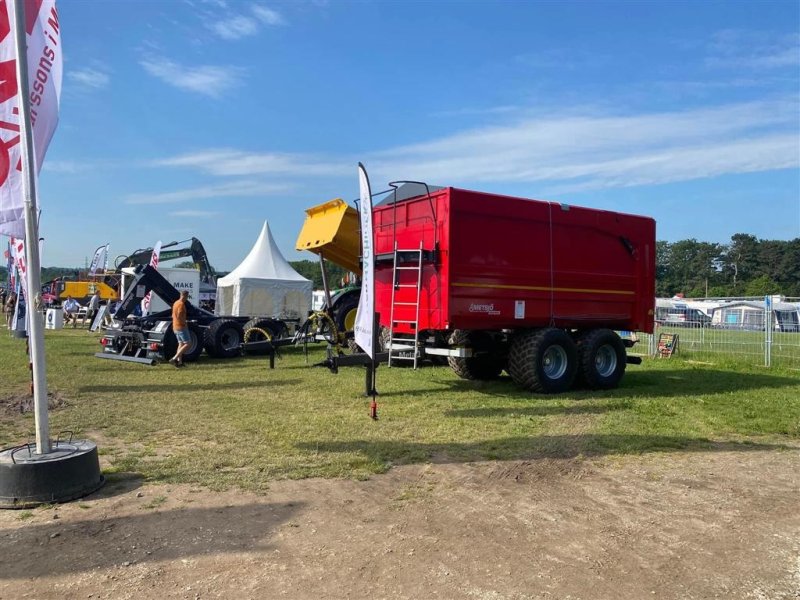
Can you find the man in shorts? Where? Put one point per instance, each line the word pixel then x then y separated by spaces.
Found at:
pixel 180 328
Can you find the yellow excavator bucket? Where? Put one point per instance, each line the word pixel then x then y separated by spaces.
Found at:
pixel 331 229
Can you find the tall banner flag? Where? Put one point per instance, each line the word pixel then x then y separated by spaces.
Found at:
pixel 154 264
pixel 365 316
pixel 100 258
pixel 44 73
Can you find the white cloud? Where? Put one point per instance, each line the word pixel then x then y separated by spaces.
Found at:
pixel 267 16
pixel 69 167
pixel 193 213
pixel 235 28
pixel 88 78
pixel 208 80
pixel 567 152
pixel 227 162
pixel 238 26
pixel 467 111
pixel 753 50
pixel 612 150
pixel 235 189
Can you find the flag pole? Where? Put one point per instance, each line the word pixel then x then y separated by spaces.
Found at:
pixel 33 295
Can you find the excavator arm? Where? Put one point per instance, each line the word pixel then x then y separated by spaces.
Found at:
pixel 195 250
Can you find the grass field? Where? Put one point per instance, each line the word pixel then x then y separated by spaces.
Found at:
pixel 223 423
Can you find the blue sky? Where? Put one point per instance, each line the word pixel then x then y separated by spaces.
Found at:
pixel 205 118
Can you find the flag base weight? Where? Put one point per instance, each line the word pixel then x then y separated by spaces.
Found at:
pixel 71 470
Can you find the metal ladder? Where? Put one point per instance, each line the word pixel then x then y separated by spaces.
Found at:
pixel 398 346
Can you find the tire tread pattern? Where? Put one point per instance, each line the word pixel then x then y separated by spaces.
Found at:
pixel 525 360
pixel 484 367
pixel 588 344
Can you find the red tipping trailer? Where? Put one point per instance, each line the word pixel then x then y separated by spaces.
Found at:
pixel 535 288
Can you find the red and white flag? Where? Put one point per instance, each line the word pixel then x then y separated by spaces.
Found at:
pixel 44 80
pixel 154 264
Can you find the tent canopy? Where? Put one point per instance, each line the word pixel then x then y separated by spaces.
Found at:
pixel 264 284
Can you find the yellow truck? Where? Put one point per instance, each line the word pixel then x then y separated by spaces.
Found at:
pixel 58 290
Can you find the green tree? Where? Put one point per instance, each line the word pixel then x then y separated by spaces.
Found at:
pixel 789 270
pixel 741 259
pixel 693 267
pixel 761 286
pixel 311 270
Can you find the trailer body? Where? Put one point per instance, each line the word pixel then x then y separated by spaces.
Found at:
pixel 493 262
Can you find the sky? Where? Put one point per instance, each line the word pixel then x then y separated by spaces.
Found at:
pixel 205 118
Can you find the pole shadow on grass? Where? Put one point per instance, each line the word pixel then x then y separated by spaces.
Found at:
pixel 153 535
pixel 531 448
pixel 193 386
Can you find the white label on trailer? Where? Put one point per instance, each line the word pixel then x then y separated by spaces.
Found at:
pixel 140 291
pixel 519 309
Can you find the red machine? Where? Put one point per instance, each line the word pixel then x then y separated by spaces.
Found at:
pixel 495 282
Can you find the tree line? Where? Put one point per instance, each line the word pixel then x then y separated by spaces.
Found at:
pixel 747 266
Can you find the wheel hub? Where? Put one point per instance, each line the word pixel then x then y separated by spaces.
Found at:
pixel 554 362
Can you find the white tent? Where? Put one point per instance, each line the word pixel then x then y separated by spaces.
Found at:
pixel 264 284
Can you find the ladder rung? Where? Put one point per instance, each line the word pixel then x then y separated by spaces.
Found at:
pixel 401 340
pixel 406 303
pixel 401 321
pixel 405 285
pixel 407 268
pixel 417 250
pixel 400 357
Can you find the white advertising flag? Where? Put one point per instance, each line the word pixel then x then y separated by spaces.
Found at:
pixel 365 317
pixel 99 259
pixel 44 72
pixel 154 264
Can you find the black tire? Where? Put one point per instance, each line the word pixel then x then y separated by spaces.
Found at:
pixel 601 358
pixel 384 340
pixel 352 347
pixel 254 331
pixel 486 365
pixel 170 345
pixel 344 313
pixel 543 360
pixel 384 335
pixel 224 338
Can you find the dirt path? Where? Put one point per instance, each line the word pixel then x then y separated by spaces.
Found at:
pixel 716 524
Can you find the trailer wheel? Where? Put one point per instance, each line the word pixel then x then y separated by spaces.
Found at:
pixel 353 347
pixel 543 360
pixel 224 338
pixel 345 314
pixel 483 366
pixel 259 330
pixel 384 335
pixel 170 344
pixel 601 358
